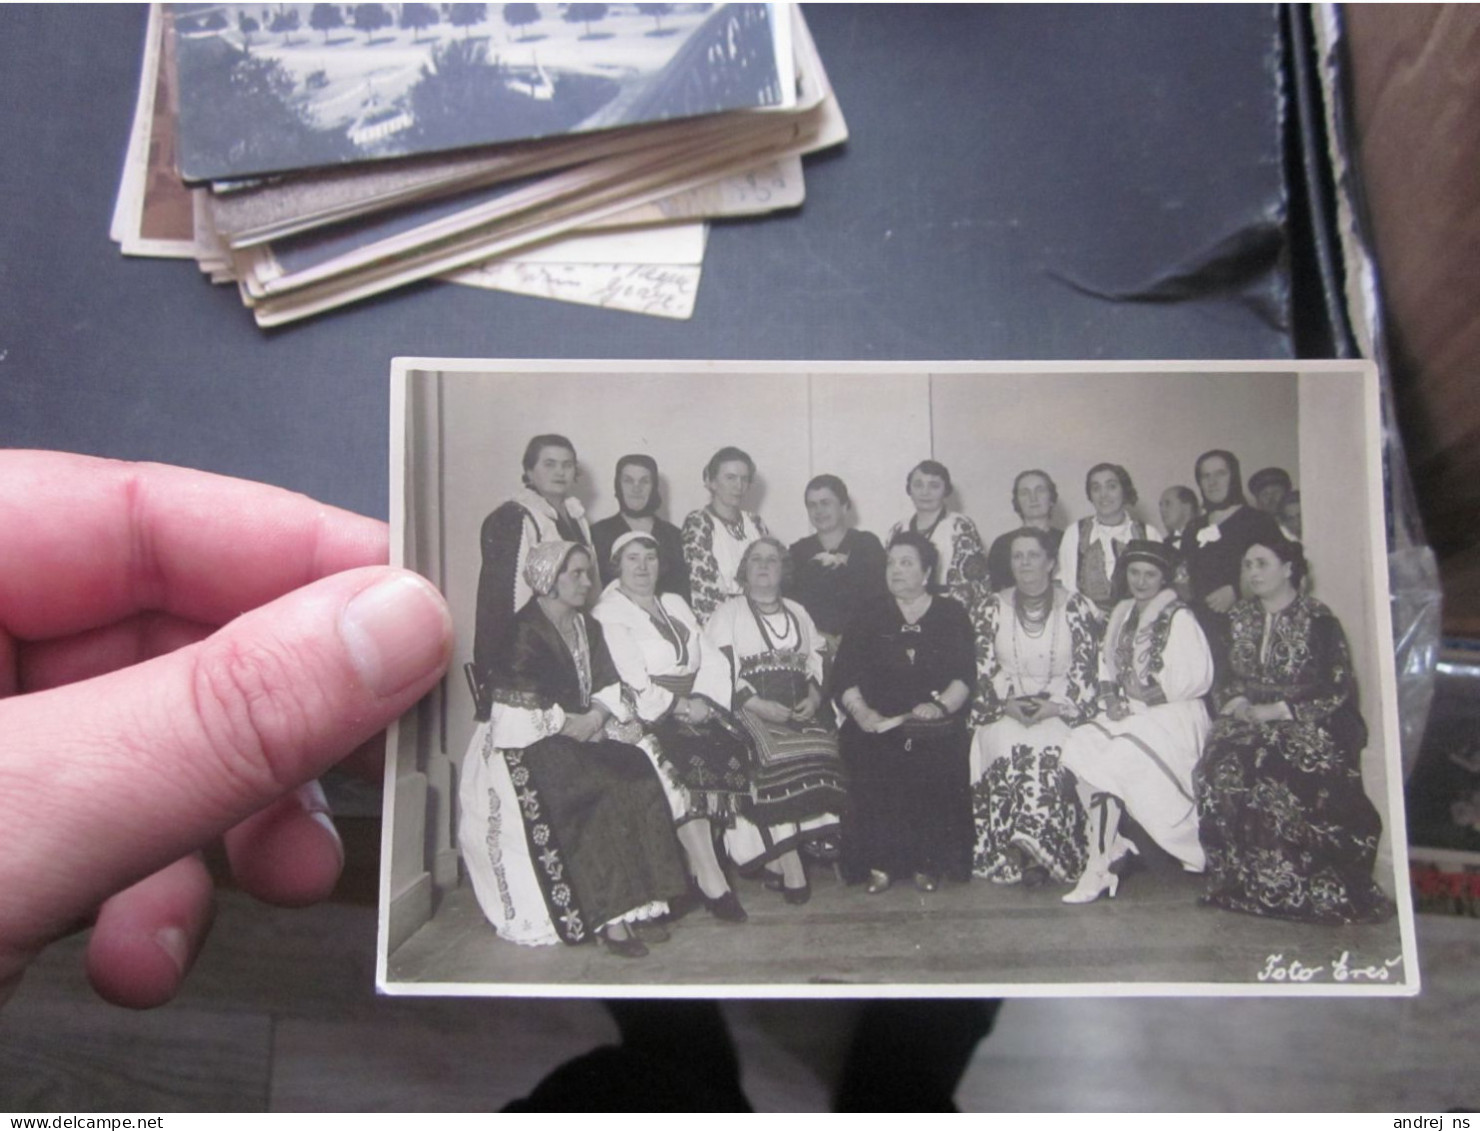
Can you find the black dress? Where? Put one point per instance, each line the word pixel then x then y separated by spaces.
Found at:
pixel 910 787
pixel 834 587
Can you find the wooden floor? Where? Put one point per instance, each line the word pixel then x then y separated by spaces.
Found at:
pixel 977 934
pixel 280 1015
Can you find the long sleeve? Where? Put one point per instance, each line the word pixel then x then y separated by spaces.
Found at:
pixel 625 649
pixel 501 588
pixel 1187 663
pixel 1084 665
pixel 1332 681
pixel 706 590
pixel 966 575
pixel 986 707
pixel 1068 575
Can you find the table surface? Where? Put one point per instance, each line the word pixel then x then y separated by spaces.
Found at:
pixel 994 152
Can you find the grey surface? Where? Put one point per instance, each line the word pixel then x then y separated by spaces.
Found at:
pixel 991 147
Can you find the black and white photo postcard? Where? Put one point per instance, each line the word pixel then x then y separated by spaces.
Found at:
pixel 896 679
pixel 302 86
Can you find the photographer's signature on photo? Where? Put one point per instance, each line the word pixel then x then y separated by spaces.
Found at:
pixel 1277 968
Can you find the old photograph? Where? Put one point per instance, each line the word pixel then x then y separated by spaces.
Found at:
pixel 896 679
pixel 273 88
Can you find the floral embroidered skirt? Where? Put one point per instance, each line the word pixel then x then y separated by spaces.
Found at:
pixel 1286 825
pixel 1026 807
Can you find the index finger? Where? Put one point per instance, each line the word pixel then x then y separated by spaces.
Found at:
pixel 89 541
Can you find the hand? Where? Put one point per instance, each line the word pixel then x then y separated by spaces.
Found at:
pixel 181 655
pixel 1048 709
pixel 1237 708
pixel 584 727
pixel 806 710
pixel 1221 600
pixel 1024 711
pixel 768 710
pixel 928 711
pixel 1117 709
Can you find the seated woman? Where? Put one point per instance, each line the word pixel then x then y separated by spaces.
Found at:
pixel 1037 658
pixel 905 670
pixel 776 652
pixel 1139 751
pixel 566 833
pixel 838 570
pixel 681 685
pixel 1091 547
pixel 1286 825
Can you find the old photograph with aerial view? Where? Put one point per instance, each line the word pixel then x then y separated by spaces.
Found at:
pixel 274 87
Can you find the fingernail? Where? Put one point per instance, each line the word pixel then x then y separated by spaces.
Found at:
pixel 173 942
pixel 396 633
pixel 316 805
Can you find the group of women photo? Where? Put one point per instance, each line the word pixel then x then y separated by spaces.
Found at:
pixel 662 708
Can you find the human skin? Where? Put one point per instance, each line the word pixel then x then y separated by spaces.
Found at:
pixel 181 656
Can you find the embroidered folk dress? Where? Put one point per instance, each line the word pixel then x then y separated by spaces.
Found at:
pixel 961 571
pixel 561 837
pixel 798 787
pixel 1022 796
pixel 909 788
pixel 1159 664
pixel 1088 553
pixel 509 533
pixel 705 768
pixel 1287 827
pixel 712 549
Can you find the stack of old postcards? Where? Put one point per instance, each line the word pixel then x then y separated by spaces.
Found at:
pixel 318 154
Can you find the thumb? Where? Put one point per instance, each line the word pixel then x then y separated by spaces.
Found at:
pixel 106 781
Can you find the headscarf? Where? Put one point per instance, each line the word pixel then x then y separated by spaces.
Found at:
pixel 626 540
pixel 1153 553
pixel 654 499
pixel 545 563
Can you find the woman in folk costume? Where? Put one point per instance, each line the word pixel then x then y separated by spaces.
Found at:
pixel 1037 657
pixel 681 686
pixel 1139 751
pixel 961 557
pixel 564 825
pixel 543 510
pixel 715 537
pixel 1091 547
pixel 798 787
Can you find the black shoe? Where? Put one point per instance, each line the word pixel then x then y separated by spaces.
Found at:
pixel 1035 876
pixel 630 947
pixel 797 896
pixel 651 931
pixel 924 881
pixel 726 908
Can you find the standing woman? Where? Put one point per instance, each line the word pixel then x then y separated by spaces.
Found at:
pixel 1287 827
pixel 714 538
pixel 1139 751
pixel 565 830
pixel 1091 547
pixel 543 510
pixel 681 685
pixel 838 571
pixel 638 500
pixel 905 671
pixel 776 653
pixel 1217 542
pixel 961 569
pixel 1037 658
